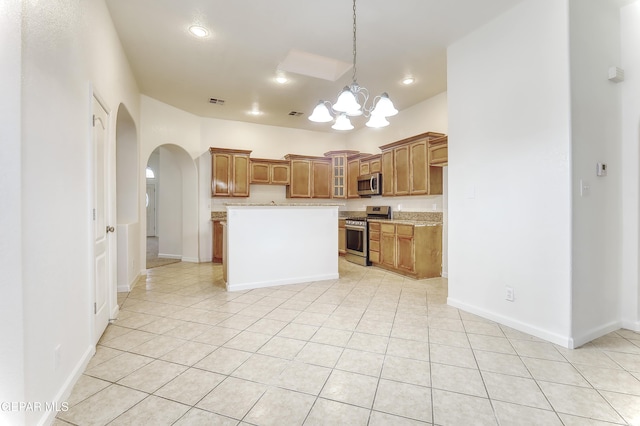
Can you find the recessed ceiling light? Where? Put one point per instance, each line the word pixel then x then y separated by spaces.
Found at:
pixel 198 31
pixel 281 79
pixel 408 80
pixel 255 110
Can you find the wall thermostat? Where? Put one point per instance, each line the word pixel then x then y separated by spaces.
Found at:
pixel 601 169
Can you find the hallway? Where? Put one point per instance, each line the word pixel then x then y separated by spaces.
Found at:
pixel 371 348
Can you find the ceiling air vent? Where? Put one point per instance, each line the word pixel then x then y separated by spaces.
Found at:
pixel 216 101
pixel 295 113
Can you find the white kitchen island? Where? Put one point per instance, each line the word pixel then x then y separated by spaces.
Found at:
pixel 275 244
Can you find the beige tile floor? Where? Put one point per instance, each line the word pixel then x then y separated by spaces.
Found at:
pixel 371 348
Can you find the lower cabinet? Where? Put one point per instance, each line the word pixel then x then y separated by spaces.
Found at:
pixel 374 242
pixel 342 237
pixel 412 250
pixel 217 241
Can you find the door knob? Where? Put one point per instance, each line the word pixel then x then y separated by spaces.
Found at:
pixel 110 229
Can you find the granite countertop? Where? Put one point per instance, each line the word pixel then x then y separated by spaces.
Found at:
pixel 408 222
pixel 284 204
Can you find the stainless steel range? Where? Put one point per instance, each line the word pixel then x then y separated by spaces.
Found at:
pixel 357 237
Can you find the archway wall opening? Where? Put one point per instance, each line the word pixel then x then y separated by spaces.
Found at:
pixel 129 260
pixel 177 204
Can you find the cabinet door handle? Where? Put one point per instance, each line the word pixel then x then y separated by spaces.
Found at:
pixel 110 229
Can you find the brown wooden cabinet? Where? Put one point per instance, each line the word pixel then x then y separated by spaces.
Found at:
pixel 370 164
pixel 374 242
pixel 419 180
pixel 406 167
pixel 401 164
pixel 388 245
pixel 412 250
pixel 272 172
pixel 300 186
pixel 339 181
pixel 353 171
pixel 364 168
pixel 405 250
pixel 229 172
pixel 439 152
pixel 321 183
pixel 310 177
pixel 217 241
pixel 342 237
pixel 260 171
pixel 341 173
pixel 388 173
pixel 411 166
pixel 375 164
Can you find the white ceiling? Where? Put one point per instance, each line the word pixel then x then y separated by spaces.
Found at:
pixel 248 40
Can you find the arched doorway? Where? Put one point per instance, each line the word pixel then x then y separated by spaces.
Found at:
pixel 127 218
pixel 176 205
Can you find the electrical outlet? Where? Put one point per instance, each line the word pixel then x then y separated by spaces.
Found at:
pixel 585 188
pixel 509 294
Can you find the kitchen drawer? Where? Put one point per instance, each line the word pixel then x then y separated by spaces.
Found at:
pixel 374 256
pixel 374 226
pixel 406 230
pixel 388 228
pixel 374 236
pixel 374 245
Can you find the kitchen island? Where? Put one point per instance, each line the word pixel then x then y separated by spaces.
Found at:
pixel 276 244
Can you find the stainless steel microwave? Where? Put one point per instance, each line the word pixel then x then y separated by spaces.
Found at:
pixel 370 184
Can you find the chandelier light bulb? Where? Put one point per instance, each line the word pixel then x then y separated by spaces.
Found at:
pixel 321 113
pixel 384 106
pixel 346 101
pixel 342 123
pixel 376 121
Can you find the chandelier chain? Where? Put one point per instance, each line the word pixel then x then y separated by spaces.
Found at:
pixel 355 51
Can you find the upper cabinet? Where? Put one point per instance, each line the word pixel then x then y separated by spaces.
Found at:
pixel 438 151
pixel 310 177
pixel 406 169
pixel 341 174
pixel 353 171
pixel 229 172
pixel 272 172
pixel 411 166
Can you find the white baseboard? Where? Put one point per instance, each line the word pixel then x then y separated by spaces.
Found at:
pixel 114 313
pixel 191 259
pixel 630 325
pixel 445 274
pixel 169 256
pixel 595 333
pixel 565 341
pixel 263 284
pixel 128 287
pixel 63 394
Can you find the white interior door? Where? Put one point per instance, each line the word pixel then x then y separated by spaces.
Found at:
pixel 101 226
pixel 151 210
